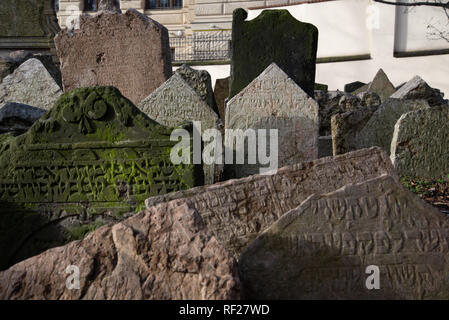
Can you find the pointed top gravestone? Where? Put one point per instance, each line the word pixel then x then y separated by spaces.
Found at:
pixel 380 85
pixel 176 102
pixel 31 84
pixel 129 51
pixel 274 101
pixel 201 82
pixel 330 245
pixel 92 159
pixel 274 36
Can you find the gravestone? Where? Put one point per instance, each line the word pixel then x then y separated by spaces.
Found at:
pixel 330 245
pixel 221 93
pixel 321 87
pixel 176 102
pixel 380 85
pixel 162 253
pixel 27 24
pixel 324 146
pixel 420 144
pixel 31 84
pixel 129 51
pixel 92 159
pixel 236 211
pixel 273 36
pixel 273 101
pixel 201 82
pixel 417 88
pixel 378 131
pixel 16 118
pixel 353 86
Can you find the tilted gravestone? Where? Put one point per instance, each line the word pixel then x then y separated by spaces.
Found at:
pixel 93 158
pixel 420 144
pixel 16 118
pixel 174 103
pixel 221 93
pixel 335 246
pixel 27 24
pixel 165 252
pixel 353 86
pixel 274 36
pixel 378 131
pixel 417 88
pixel 201 82
pixel 273 101
pixel 380 85
pixel 236 211
pixel 129 51
pixel 31 84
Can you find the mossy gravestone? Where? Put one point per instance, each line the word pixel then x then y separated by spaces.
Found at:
pixel 274 36
pixel 93 158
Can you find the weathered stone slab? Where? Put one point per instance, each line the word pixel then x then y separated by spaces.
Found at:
pixel 17 118
pixel 165 252
pixel 346 126
pixel 321 87
pixel 91 159
pixel 380 85
pixel 274 36
pixel 30 84
pixel 237 210
pixel 324 146
pixel 29 24
pixel 353 86
pixel 129 51
pixel 337 102
pixel 321 249
pixel 175 102
pixel 274 101
pixel 417 88
pixel 221 93
pixel 201 82
pixel 420 144
pixel 378 131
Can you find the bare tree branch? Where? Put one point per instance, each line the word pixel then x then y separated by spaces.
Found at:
pixel 414 4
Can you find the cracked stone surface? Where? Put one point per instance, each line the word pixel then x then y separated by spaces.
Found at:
pixel 322 248
pixel 165 252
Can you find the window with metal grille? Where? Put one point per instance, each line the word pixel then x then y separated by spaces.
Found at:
pixel 163 4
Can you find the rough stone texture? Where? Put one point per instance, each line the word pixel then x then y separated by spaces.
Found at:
pixel 93 158
pixel 17 118
pixel 353 86
pixel 221 93
pixel 324 146
pixel 129 51
pixel 378 131
pixel 165 252
pixel 321 249
pixel 16 58
pixel 346 126
pixel 201 82
pixel 380 85
pixel 420 145
pixel 273 36
pixel 29 24
pixel 274 101
pixel 237 210
pixel 31 84
pixel 417 88
pixel 337 102
pixel 175 102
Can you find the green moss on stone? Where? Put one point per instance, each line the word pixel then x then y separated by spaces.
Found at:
pixel 273 36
